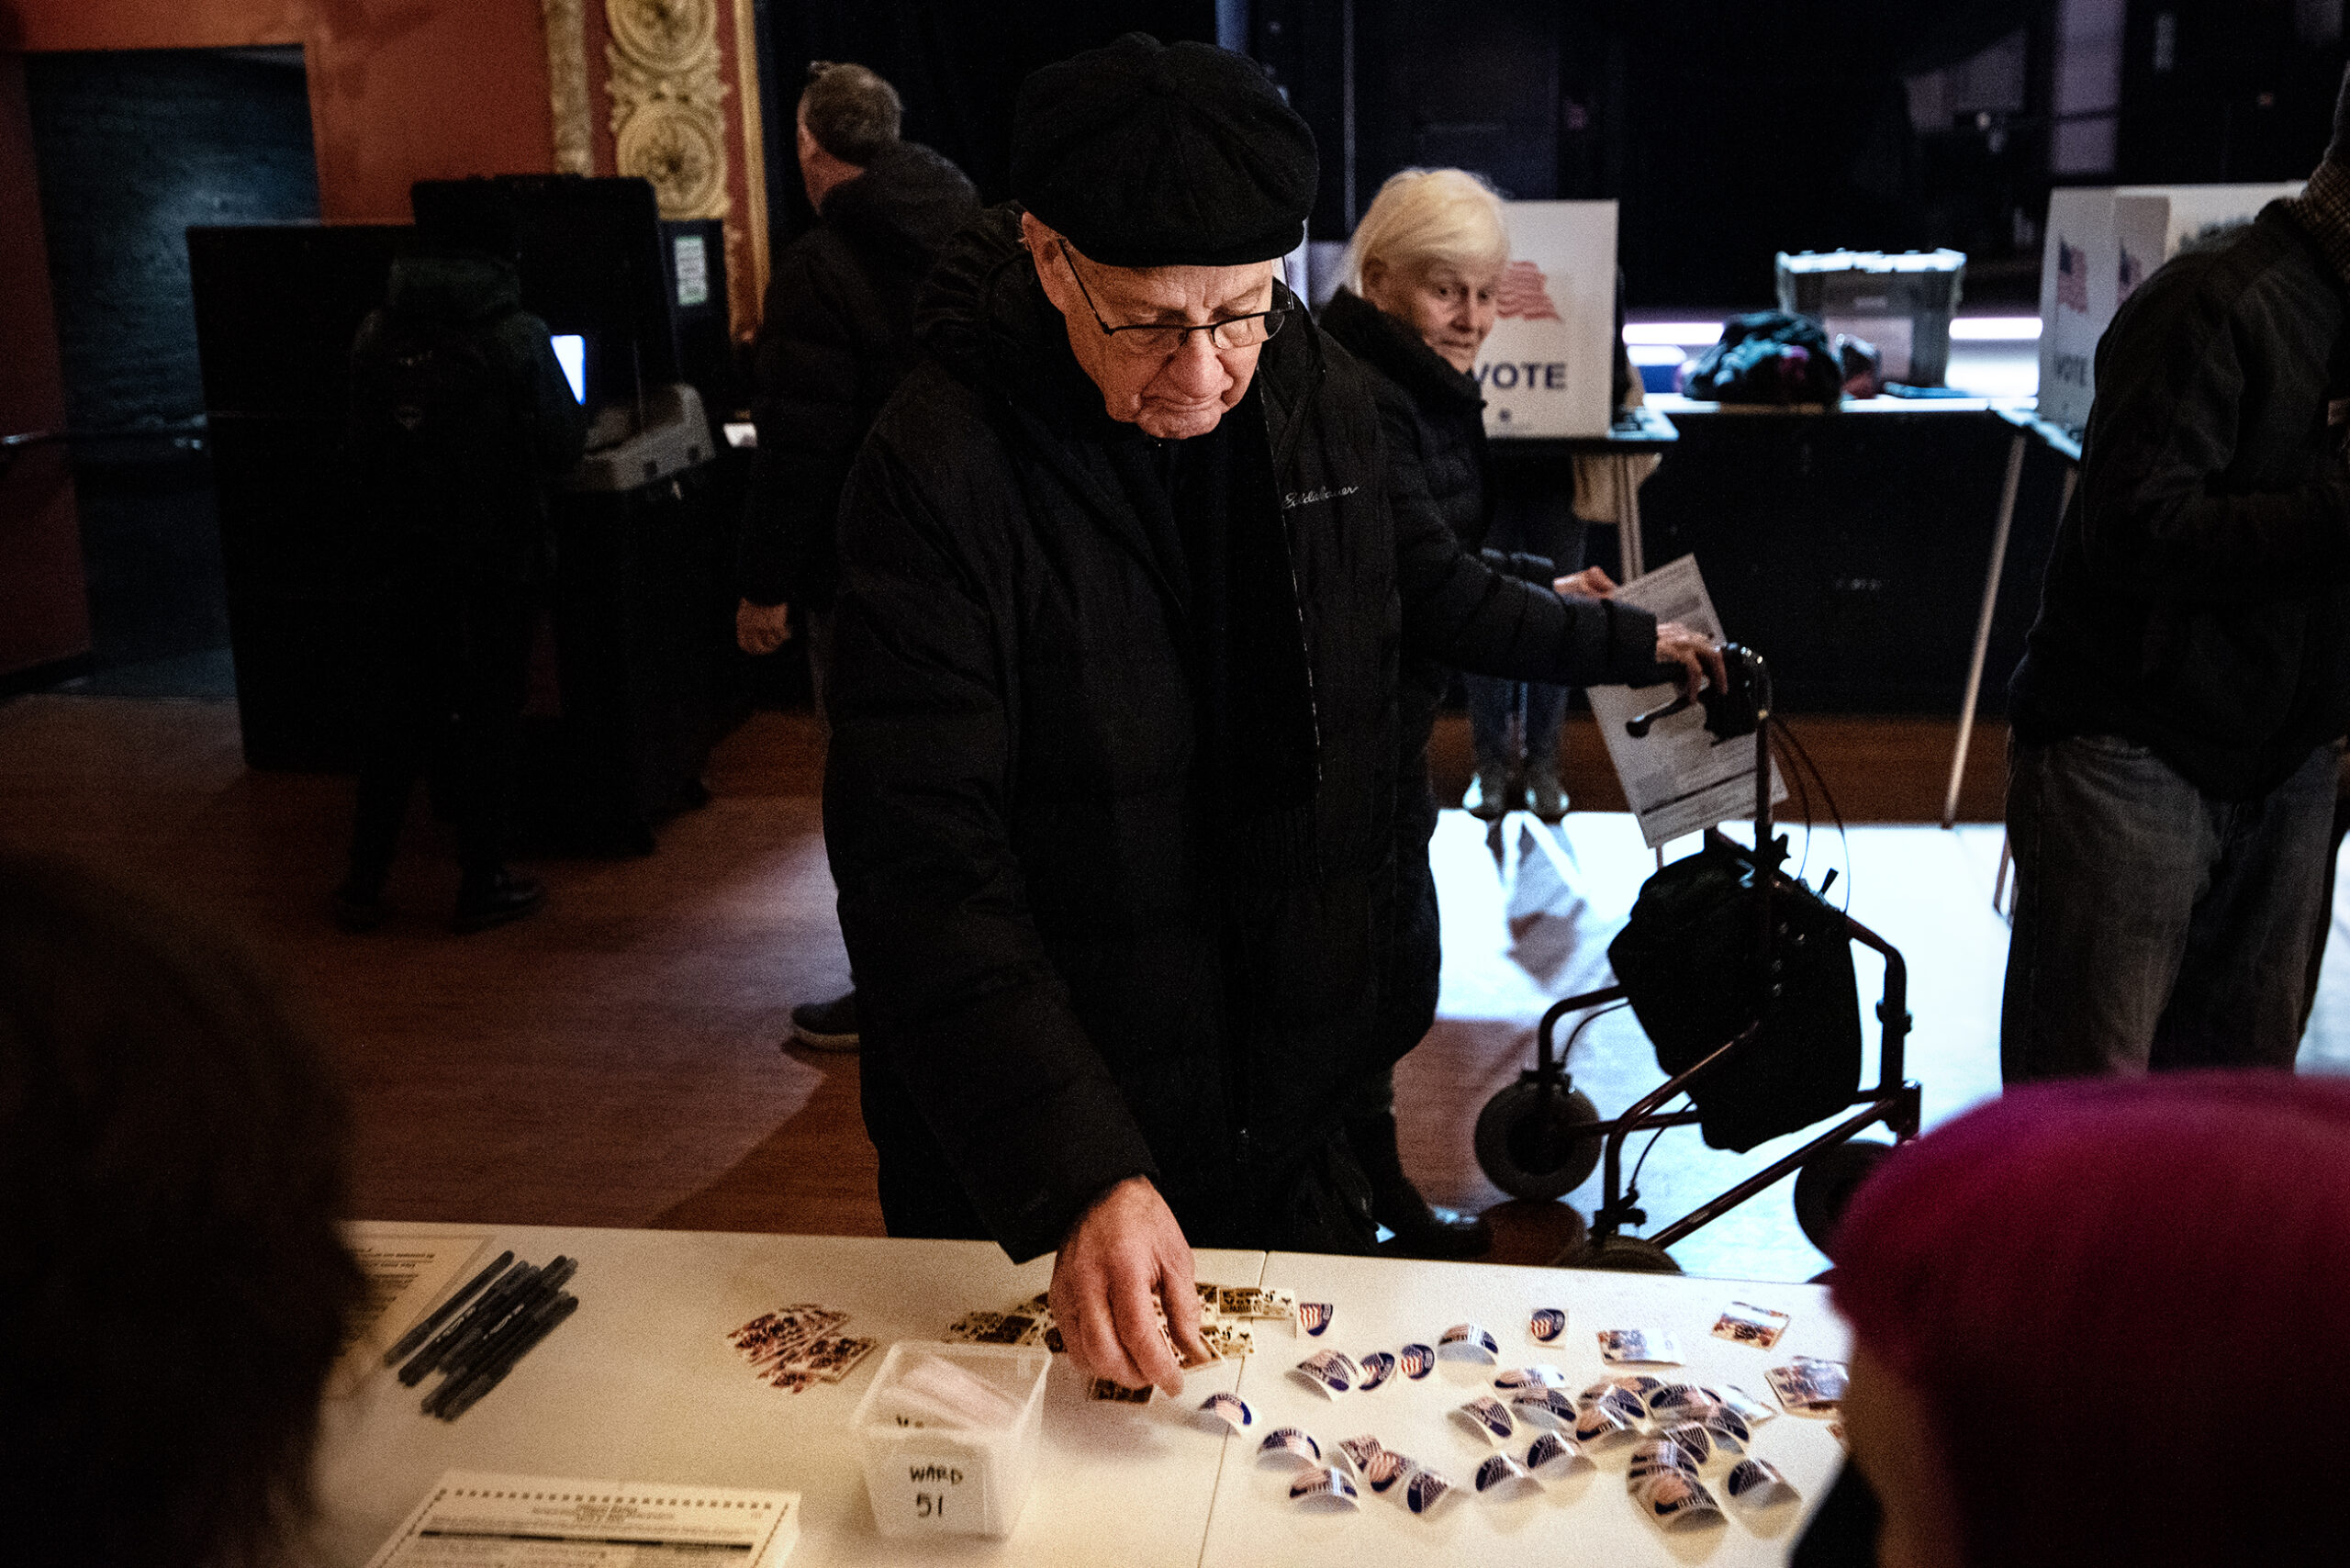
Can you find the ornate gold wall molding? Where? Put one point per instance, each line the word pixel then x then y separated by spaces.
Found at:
pixel 575 148
pixel 755 146
pixel 669 101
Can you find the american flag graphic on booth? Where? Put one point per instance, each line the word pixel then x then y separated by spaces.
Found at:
pixel 2071 277
pixel 1524 294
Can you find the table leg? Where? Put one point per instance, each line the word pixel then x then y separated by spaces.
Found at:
pixel 1628 517
pixel 1983 626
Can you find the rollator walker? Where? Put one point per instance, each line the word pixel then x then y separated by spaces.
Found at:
pixel 1541 1137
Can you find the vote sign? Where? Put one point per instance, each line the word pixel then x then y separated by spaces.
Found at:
pixel 1548 369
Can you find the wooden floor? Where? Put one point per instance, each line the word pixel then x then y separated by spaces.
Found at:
pixel 616 1060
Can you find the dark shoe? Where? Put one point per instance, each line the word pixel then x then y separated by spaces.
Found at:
pixel 826 1026
pixel 1550 795
pixel 359 905
pixel 494 899
pixel 1488 799
pixel 1434 1234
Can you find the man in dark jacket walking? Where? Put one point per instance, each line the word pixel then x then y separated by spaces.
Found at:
pixel 1111 790
pixel 2178 706
pixel 459 413
pixel 836 338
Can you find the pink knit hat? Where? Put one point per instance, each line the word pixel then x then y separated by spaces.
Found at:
pixel 2126 1304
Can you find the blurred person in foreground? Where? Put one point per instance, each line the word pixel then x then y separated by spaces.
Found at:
pixel 173 1285
pixel 2093 1323
pixel 1110 797
pixel 1418 303
pixel 836 338
pixel 459 415
pixel 2178 710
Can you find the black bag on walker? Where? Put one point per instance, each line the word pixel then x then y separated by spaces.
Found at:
pixel 1687 962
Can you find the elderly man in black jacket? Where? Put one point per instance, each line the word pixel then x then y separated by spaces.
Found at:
pixel 836 338
pixel 2180 699
pixel 1111 790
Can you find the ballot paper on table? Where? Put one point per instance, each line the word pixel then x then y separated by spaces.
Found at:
pixel 1679 778
pixel 545 1521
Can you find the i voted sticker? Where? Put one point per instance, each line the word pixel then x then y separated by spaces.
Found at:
pixel 1330 1370
pixel 1552 1456
pixel 1547 1324
pixel 1673 1498
pixel 1604 1426
pixel 1291 1445
pixel 1488 1416
pixel 1360 1451
pixel 1545 1407
pixel 1757 1484
pixel 1682 1401
pixel 1542 1376
pixel 1230 1409
pixel 1425 1490
pixel 1504 1476
pixel 1313 1316
pixel 1385 1468
pixel 1376 1368
pixel 1469 1342
pixel 1326 1485
pixel 1691 1439
pixel 1416 1361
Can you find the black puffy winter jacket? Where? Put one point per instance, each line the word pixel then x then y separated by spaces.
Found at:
pixel 836 338
pixel 2198 598
pixel 1069 969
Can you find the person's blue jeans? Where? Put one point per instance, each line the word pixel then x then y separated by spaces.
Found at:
pixel 2156 928
pixel 1538 529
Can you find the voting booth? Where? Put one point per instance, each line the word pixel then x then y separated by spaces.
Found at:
pixel 1547 370
pixel 2102 242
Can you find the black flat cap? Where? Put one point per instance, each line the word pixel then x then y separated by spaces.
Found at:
pixel 1153 155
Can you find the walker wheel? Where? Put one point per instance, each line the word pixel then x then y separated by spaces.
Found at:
pixel 1533 1138
pixel 1827 1182
pixel 1625 1255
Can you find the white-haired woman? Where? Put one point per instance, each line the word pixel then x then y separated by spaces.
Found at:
pixel 1417 306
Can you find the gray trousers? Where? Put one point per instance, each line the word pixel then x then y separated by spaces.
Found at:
pixel 2156 928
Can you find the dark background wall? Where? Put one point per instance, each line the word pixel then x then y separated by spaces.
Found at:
pixel 1728 129
pixel 133 147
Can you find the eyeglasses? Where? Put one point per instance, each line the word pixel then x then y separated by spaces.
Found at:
pixel 1151 340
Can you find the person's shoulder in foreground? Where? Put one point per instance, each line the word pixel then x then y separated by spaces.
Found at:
pixel 173 1285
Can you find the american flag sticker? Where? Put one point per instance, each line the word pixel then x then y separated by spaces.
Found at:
pixel 1313 1316
pixel 1525 294
pixel 2071 277
pixel 1418 1362
pixel 1547 1324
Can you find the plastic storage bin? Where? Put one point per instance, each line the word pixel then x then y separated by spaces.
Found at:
pixel 1902 303
pixel 927 1480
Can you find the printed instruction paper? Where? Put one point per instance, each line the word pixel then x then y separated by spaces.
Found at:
pixel 1679 778
pixel 544 1521
pixel 407 1272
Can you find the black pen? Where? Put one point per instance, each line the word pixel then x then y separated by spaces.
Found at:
pixel 462 1363
pixel 442 1314
pixel 490 1307
pixel 543 1323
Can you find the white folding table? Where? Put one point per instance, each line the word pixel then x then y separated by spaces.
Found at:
pixel 640 1384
